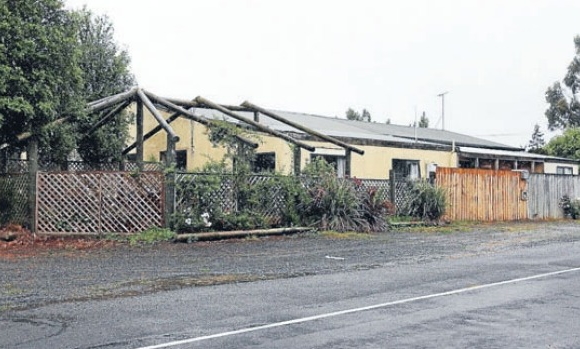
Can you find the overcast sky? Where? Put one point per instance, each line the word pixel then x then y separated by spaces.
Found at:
pixel 496 58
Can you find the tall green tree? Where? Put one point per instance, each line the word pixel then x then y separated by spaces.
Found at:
pixel 52 62
pixel 566 145
pixel 40 79
pixel 105 71
pixel 564 98
pixel 537 142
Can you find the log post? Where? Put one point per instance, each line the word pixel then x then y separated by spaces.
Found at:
pixel 139 137
pixel 169 180
pixel 32 156
pixel 392 188
pixel 347 165
pixel 297 161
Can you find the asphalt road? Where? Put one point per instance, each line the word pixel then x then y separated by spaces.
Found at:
pixel 524 296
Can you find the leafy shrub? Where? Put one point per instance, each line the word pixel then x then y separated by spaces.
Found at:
pixel 332 204
pixel 570 207
pixel 152 235
pixel 375 208
pixel 343 204
pixel 426 201
pixel 7 205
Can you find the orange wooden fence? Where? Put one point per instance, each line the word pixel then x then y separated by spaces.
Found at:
pixel 483 195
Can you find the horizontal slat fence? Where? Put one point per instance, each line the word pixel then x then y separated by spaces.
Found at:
pixel 545 191
pixel 483 195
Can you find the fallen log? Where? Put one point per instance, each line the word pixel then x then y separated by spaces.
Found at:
pixel 239 234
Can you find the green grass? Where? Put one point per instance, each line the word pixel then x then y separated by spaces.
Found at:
pixel 151 236
pixel 348 235
pixel 455 227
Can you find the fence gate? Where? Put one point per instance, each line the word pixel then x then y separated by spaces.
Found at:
pixel 99 202
pixel 483 195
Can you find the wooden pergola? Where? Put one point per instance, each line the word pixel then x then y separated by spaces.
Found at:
pixel 112 105
pixel 109 107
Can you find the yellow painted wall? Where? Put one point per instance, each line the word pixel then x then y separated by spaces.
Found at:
pixel 551 167
pixel 375 163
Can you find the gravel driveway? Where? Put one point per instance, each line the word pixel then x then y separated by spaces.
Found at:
pixel 65 274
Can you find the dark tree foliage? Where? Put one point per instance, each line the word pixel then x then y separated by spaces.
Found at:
pixel 105 68
pixel 52 62
pixel 40 79
pixel 424 121
pixel 537 142
pixel 564 98
pixel 351 114
pixel 566 145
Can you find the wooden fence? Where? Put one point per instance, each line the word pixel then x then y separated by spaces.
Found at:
pixel 483 195
pixel 99 202
pixel 545 191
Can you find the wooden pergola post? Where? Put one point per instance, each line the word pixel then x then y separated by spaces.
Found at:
pixel 347 163
pixel 139 138
pixel 297 160
pixel 32 156
pixel 170 180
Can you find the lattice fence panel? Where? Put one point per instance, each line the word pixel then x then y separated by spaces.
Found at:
pixel 204 192
pixel 199 193
pixel 99 202
pixel 381 185
pixel 402 195
pixel 21 166
pixel 14 199
pixel 272 201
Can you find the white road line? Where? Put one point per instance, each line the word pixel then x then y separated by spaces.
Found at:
pixel 354 310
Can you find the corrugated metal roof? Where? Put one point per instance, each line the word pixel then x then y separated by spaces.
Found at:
pixel 336 127
pixel 430 134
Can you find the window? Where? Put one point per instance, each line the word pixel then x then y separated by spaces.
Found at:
pixel 337 161
pixel 264 162
pixel 180 159
pixel 564 170
pixel 406 168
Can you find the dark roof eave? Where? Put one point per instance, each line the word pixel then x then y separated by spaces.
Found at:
pixel 380 143
pixel 464 144
pixel 515 157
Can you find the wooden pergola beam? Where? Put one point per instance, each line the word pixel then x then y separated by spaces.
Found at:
pixel 188 114
pixel 258 126
pixel 112 100
pixel 151 133
pixel 277 117
pixel 108 116
pixel 157 116
pixel 194 104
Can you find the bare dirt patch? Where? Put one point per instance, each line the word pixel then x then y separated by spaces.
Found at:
pixel 18 242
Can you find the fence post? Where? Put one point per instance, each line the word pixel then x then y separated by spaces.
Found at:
pixel 32 155
pixel 169 203
pixel 170 181
pixel 392 187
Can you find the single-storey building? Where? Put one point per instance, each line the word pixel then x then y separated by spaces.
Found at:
pixel 355 148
